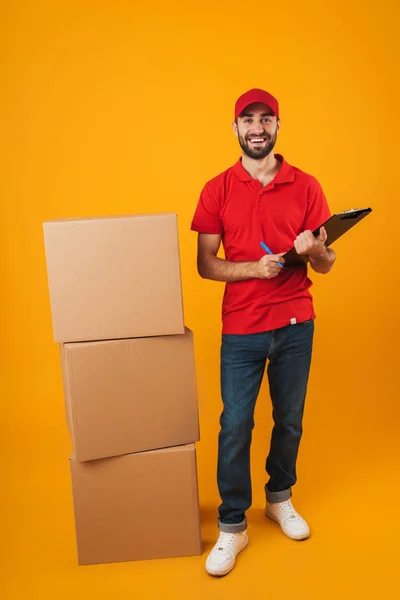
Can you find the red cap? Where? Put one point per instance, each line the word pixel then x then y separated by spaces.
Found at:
pixel 259 96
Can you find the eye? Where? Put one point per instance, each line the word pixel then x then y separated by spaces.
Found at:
pixel 247 121
pixel 267 120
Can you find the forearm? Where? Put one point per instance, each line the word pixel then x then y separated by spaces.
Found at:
pixel 219 269
pixel 324 261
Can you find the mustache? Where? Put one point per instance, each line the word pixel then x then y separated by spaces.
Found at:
pixel 264 135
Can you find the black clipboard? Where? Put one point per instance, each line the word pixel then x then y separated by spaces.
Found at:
pixel 335 227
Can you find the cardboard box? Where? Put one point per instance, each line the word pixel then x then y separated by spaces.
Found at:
pixel 114 277
pixel 137 506
pixel 125 396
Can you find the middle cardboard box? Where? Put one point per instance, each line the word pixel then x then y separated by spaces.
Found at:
pixel 130 395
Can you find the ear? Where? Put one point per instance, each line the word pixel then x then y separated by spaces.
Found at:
pixel 235 128
pixel 278 125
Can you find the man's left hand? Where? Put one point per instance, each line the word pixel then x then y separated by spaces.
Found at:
pixel 313 246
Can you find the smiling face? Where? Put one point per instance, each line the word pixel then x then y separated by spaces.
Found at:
pixel 257 129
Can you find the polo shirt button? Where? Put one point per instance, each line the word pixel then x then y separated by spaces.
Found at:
pixel 260 203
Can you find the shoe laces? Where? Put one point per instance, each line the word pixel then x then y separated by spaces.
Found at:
pixel 288 509
pixel 225 541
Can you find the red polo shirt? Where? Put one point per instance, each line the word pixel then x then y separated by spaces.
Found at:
pixel 244 213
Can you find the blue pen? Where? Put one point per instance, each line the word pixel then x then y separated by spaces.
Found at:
pixel 264 247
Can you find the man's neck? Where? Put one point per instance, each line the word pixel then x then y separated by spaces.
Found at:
pixel 263 169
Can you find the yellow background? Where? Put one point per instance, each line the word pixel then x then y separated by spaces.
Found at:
pixel 123 107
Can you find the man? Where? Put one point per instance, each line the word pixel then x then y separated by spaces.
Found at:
pixel 267 314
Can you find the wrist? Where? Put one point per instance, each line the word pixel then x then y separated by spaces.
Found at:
pixel 318 253
pixel 253 270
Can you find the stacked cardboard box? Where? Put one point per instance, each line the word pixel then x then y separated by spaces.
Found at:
pixel 129 385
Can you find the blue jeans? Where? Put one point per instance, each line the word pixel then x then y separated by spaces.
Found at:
pixel 243 360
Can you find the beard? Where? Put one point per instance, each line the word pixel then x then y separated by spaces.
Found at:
pixel 255 152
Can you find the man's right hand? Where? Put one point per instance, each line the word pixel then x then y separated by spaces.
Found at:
pixel 267 267
pixel 210 266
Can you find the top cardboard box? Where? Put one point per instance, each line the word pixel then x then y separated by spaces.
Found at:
pixel 114 277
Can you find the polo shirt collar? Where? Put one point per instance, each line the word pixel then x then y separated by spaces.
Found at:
pixel 284 175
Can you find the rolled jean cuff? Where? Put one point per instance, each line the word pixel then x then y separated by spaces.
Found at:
pixel 233 527
pixel 274 497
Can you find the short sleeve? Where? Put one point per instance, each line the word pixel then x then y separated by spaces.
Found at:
pixel 207 218
pixel 317 207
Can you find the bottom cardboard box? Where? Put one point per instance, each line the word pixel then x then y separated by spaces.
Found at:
pixel 137 506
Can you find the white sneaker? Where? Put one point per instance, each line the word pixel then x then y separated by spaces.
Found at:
pixel 292 524
pixel 222 557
